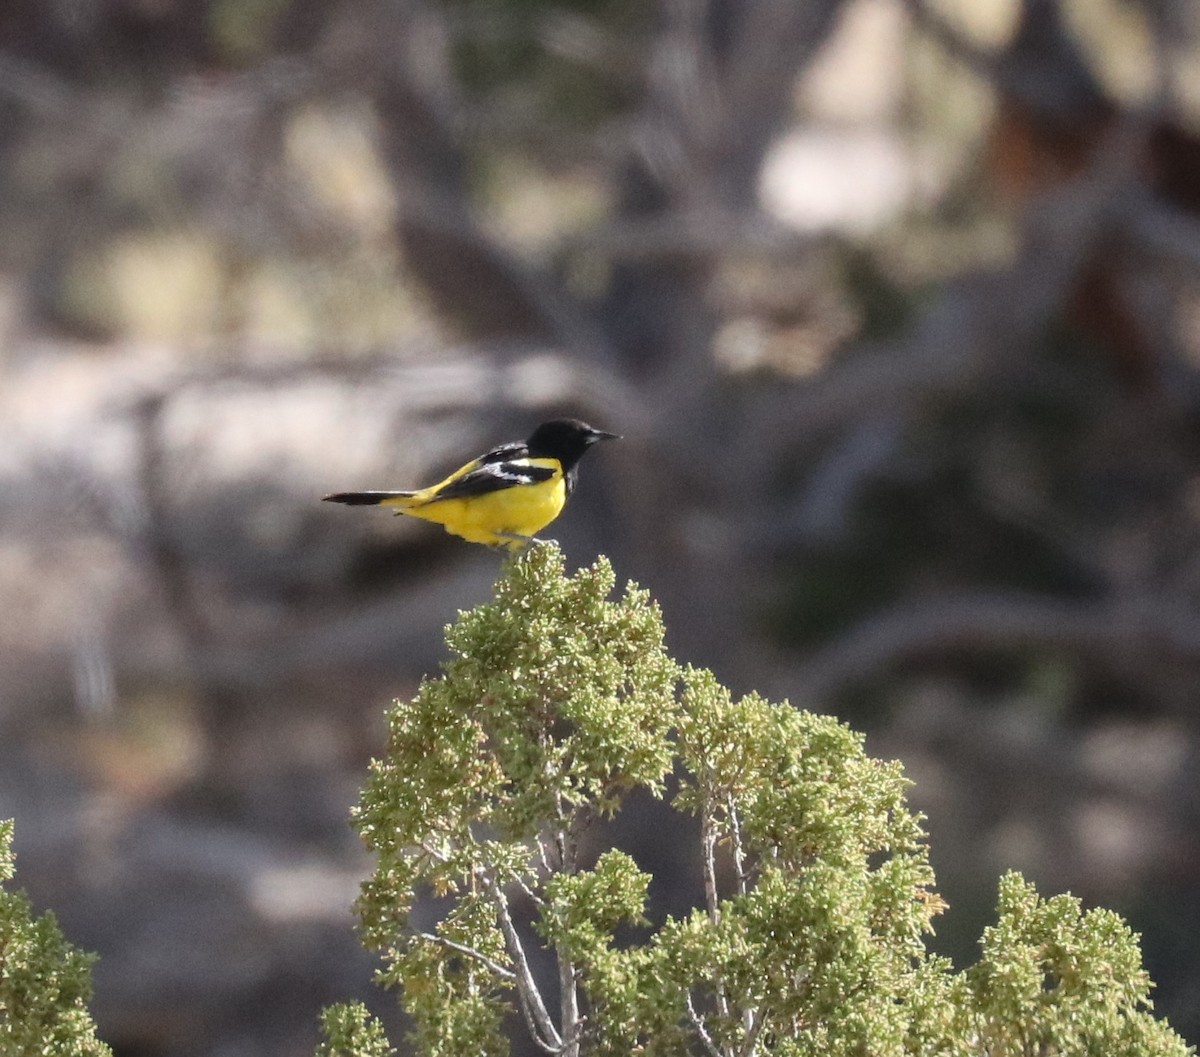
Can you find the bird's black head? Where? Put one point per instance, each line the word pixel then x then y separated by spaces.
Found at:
pixel 565 439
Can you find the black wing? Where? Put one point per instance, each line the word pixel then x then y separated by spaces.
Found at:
pixel 514 449
pixel 494 475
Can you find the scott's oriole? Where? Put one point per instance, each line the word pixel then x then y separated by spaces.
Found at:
pixel 503 498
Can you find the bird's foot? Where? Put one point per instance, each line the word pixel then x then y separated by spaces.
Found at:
pixel 518 544
pixel 512 542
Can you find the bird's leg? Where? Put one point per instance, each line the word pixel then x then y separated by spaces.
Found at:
pixel 517 543
pixel 513 541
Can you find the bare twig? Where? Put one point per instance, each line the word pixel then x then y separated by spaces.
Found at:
pixel 711 896
pixel 706 1039
pixel 434 853
pixel 526 889
pixel 709 841
pixel 568 985
pixel 544 854
pixel 533 1008
pixel 751 1016
pixel 755 1020
pixel 471 952
pixel 569 1002
pixel 739 858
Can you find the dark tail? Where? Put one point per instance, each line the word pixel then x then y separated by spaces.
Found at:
pixel 365 498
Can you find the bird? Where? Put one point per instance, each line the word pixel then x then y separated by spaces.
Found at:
pixel 504 497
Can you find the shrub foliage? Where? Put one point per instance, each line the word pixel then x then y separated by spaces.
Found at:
pixel 493 914
pixel 45 983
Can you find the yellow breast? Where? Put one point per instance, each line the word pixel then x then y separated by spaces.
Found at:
pixel 496 517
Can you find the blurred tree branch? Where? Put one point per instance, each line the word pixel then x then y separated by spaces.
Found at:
pixel 1145 631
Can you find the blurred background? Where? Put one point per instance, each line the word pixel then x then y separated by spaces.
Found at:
pixel 896 302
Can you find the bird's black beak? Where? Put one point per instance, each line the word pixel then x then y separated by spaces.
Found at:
pixel 599 434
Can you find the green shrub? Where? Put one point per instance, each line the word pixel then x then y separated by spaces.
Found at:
pixel 45 983
pixel 557 705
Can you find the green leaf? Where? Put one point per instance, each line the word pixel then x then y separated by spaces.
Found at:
pixel 45 982
pixel 350 1031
